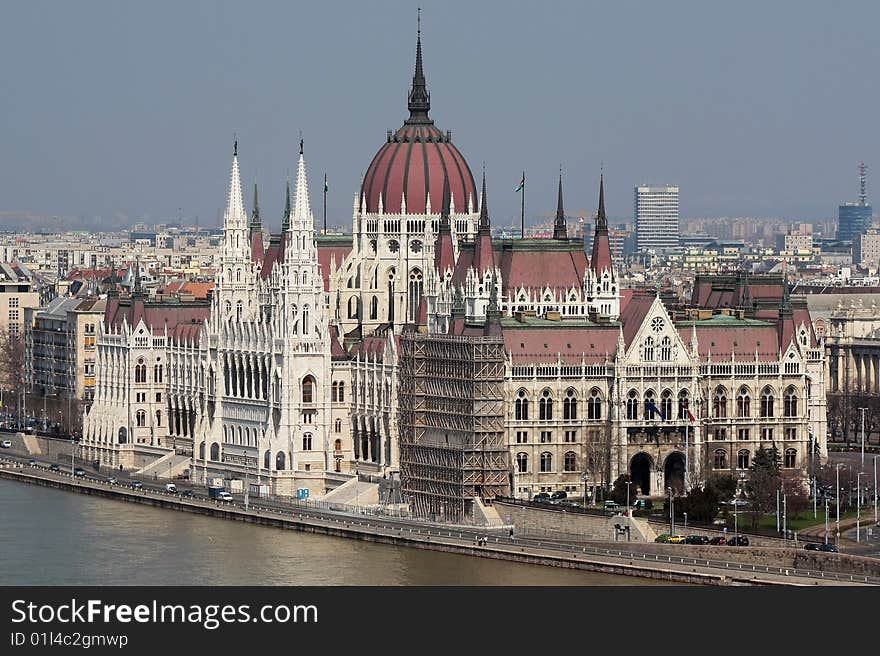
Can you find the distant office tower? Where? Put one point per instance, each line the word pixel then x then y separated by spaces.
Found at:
pixel 854 219
pixel 656 215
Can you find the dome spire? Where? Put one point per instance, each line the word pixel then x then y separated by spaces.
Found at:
pixel 484 207
pixel 601 219
pixel 285 219
pixel 255 216
pixel 419 100
pixel 560 230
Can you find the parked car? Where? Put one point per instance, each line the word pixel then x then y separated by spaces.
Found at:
pixel 6 444
pixel 32 462
pixel 80 472
pixel 812 546
pixel 663 537
pixel 558 496
pixel 677 539
pixel 738 541
pixel 541 497
pixel 187 494
pixel 718 540
pixel 136 485
pixel 170 487
pixel 224 496
pixel 697 539
pixel 54 467
pixel 830 548
pixel 112 480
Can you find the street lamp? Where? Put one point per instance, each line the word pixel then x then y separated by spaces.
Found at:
pixel 859 506
pixel 862 410
pixel 837 509
pixel 826 520
pixel 585 478
pixel 685 522
pixel 671 512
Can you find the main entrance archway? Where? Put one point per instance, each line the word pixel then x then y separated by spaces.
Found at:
pixel 673 472
pixel 640 471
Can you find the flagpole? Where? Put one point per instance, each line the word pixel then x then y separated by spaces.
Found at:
pixel 686 450
pixel 325 203
pixel 523 209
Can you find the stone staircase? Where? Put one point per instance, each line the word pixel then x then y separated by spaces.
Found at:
pixel 168 466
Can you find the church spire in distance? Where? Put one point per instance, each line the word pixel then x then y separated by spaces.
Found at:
pixel 560 229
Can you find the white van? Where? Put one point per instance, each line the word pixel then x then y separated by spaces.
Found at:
pixel 171 487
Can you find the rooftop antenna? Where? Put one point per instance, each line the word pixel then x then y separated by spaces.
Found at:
pixel 863 196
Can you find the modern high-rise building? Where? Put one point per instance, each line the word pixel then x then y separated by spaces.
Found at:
pixel 656 216
pixel 854 219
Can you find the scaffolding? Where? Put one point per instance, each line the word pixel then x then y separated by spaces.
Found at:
pixel 451 424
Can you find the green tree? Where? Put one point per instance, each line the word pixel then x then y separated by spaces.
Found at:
pixel 764 480
pixel 618 491
pixel 700 504
pixel 722 485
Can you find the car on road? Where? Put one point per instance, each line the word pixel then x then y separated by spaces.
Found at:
pixel 6 444
pixel 112 480
pixel 663 537
pixel 812 546
pixel 677 539
pixel 697 539
pixel 718 540
pixel 829 548
pixel 541 497
pixel 137 485
pixel 80 472
pixel 32 462
pixel 171 487
pixel 54 467
pixel 738 541
pixel 188 494
pixel 558 496
pixel 224 496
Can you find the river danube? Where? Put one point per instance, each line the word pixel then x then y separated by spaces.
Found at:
pixel 50 537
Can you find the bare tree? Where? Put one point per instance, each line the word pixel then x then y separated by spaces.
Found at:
pixel 598 457
pixel 12 371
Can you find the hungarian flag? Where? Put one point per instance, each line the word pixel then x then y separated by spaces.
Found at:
pixel 689 414
pixel 522 184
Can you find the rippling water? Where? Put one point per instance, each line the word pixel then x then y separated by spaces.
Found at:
pixel 50 537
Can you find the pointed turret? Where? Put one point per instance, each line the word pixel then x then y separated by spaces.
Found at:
pixel 560 229
pixel 444 254
pixel 302 210
pixel 285 218
pixel 419 100
pixel 785 326
pixel 601 258
pixel 235 216
pixel 483 257
pixel 256 230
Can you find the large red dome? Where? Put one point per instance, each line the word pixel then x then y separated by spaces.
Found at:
pixel 416 160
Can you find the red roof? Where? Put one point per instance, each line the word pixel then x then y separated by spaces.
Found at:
pixel 157 315
pixel 601 259
pixel 740 340
pixel 594 344
pixel 633 315
pixel 540 267
pixel 325 253
pixel 415 161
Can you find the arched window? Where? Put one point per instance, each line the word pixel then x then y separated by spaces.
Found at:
pixel 570 463
pixel 569 405
pixel 280 461
pixel 307 442
pixel 342 391
pixel 649 402
pixel 157 373
pixel 719 402
pixel 742 459
pixel 666 349
pixel 594 405
pixel 140 372
pixel 201 450
pixel 267 459
pixel 374 308
pixel 720 459
pixel 215 451
pixel 334 392
pixel 790 458
pixel 648 351
pixel 308 389
pixel 684 404
pixel 228 306
pixel 521 406
pixel 666 404
pixel 338 426
pixel 743 403
pixel 158 417
pixel 767 402
pixel 353 307
pixel 545 406
pixel 546 461
pixel 790 403
pixel 632 405
pixel 237 271
pixel 239 309
pixel 305 320
pixel 522 463
pixel 415 294
pixel 141 418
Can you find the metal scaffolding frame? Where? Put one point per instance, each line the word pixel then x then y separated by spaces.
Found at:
pixel 451 424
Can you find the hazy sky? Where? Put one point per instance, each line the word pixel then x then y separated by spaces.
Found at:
pixel 753 108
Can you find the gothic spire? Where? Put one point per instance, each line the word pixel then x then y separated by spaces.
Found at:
pixel 255 216
pixel 235 217
pixel 419 100
pixel 560 230
pixel 484 208
pixel 601 219
pixel 285 219
pixel 302 209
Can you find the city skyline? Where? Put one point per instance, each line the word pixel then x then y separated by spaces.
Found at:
pixel 145 133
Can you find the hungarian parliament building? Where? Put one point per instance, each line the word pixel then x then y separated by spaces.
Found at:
pixel 303 368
